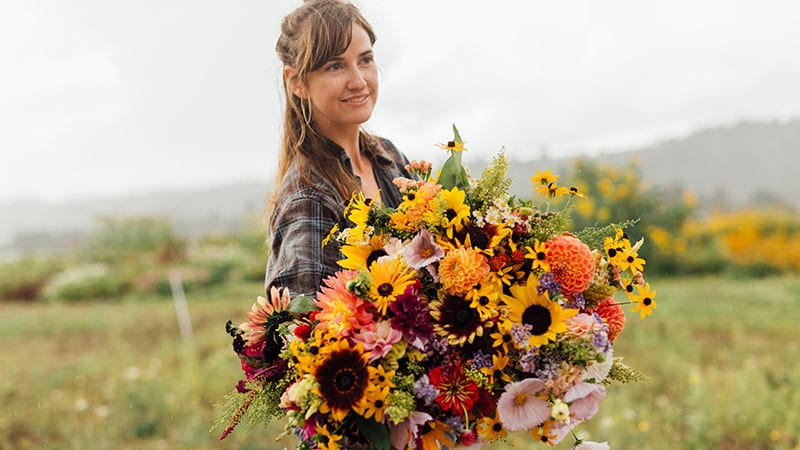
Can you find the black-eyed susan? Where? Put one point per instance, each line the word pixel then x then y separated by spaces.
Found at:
pixel 544 178
pixel 645 300
pixel 326 439
pixel 545 317
pixel 538 256
pixel 455 319
pixel 343 379
pixel 497 373
pixel 501 336
pixel 433 435
pixel 390 277
pixel 331 235
pixel 483 297
pixel 360 256
pixel 375 403
pixel 630 260
pixel 452 146
pixel 490 429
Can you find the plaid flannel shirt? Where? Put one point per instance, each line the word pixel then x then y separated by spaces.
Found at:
pixel 306 214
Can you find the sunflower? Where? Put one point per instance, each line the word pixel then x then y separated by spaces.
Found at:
pixel 490 429
pixel 456 320
pixel 357 212
pixel 645 300
pixel 343 378
pixel 266 315
pixel 390 278
pixel 545 317
pixel 538 254
pixel 449 211
pixel 360 256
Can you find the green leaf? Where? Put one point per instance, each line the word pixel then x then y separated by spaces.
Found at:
pixel 302 305
pixel 376 433
pixel 453 173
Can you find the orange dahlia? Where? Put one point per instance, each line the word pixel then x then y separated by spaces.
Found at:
pixel 461 269
pixel 611 312
pixel 571 263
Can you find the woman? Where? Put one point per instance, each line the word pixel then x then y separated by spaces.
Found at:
pixel 331 86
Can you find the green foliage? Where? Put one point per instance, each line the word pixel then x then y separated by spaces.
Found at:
pixel 25 279
pixel 493 183
pixel 96 375
pixel 88 281
pixel 136 239
pixel 621 373
pixel 453 173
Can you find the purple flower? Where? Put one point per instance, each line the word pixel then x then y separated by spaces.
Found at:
pixel 425 390
pixel 548 283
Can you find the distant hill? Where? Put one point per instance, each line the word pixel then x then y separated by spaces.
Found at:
pixel 750 163
pixel 746 163
pixel 201 212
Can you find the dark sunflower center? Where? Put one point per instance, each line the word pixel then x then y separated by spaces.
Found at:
pixel 479 239
pixel 541 256
pixel 379 403
pixel 450 214
pixel 385 289
pixel 647 301
pixel 497 427
pixel 344 381
pixel 484 300
pixel 629 259
pixel 375 255
pixel 538 317
pixel 629 288
pixel 464 315
pixel 411 196
pixel 612 252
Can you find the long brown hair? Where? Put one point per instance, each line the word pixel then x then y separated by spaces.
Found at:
pixel 312 35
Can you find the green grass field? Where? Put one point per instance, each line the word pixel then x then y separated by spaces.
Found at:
pixel 722 356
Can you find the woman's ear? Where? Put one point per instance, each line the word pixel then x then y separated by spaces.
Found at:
pixel 294 85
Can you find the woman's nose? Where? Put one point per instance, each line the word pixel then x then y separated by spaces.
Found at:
pixel 357 80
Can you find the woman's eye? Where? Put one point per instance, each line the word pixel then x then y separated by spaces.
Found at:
pixel 334 66
pixel 367 60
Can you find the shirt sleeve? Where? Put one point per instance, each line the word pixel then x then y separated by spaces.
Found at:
pixel 297 259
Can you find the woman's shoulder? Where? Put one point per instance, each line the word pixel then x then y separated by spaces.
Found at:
pixel 386 152
pixel 295 188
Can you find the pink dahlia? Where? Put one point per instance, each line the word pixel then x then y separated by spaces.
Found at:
pixel 341 312
pixel 571 263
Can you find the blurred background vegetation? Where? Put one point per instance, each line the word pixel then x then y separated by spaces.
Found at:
pixel 93 357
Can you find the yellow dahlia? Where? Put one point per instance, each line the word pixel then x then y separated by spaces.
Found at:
pixel 461 269
pixel 571 263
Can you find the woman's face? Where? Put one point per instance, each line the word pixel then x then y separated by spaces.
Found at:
pixel 344 90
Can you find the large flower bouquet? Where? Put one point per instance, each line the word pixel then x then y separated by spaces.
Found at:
pixel 459 316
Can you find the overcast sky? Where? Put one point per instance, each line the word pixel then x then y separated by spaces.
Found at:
pixel 101 97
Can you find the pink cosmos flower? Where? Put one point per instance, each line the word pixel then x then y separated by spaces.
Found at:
pixel 422 250
pixel 519 408
pixel 584 399
pixel 378 339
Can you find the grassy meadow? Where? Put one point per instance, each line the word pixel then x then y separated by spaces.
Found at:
pixel 721 353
